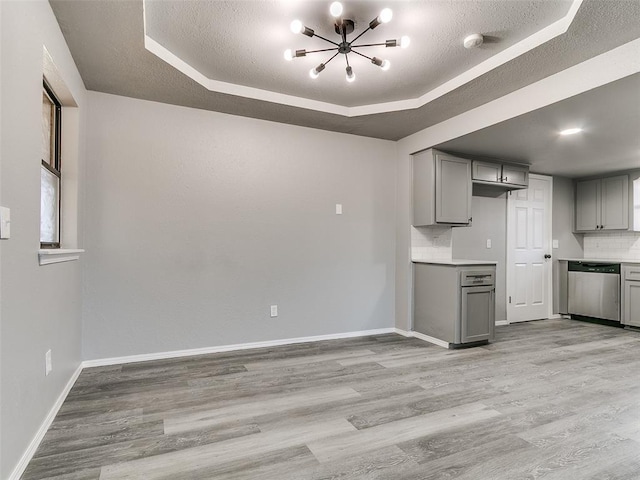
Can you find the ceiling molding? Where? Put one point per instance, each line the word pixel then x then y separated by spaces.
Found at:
pixel 603 69
pixel 548 33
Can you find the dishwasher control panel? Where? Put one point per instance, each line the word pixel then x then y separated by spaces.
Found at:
pixel 594 267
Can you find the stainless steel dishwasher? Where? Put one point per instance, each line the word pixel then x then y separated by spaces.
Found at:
pixel 594 290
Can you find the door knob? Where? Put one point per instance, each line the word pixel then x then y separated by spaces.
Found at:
pixel 546 255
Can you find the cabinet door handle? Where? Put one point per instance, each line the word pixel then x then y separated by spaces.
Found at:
pixel 505 179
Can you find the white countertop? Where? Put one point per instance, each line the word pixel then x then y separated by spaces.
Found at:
pixel 457 262
pixel 599 260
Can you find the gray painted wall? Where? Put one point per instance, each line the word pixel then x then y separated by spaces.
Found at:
pixel 489 222
pixel 197 222
pixel 40 306
pixel 569 244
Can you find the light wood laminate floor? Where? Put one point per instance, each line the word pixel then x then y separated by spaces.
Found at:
pixel 554 399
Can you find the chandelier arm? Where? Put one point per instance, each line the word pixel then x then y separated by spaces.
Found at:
pixel 346 57
pixel 369 45
pixel 361 54
pixel 334 56
pixel 327 40
pixel 363 32
pixel 322 50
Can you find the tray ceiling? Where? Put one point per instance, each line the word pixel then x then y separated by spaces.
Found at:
pixel 243 43
pixel 232 55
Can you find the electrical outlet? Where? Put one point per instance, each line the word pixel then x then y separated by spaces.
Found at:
pixel 48 366
pixel 488 243
pixel 338 209
pixel 274 311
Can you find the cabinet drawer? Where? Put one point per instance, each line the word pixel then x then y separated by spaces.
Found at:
pixel 477 277
pixel 631 272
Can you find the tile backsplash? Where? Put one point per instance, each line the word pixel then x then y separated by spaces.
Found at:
pixel 431 243
pixel 618 246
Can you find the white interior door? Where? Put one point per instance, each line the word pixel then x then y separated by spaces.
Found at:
pixel 528 241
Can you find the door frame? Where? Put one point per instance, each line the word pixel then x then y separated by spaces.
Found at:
pixel 549 222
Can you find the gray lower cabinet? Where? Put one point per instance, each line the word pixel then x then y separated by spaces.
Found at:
pixel 454 303
pixel 477 314
pixel 631 295
pixel 442 189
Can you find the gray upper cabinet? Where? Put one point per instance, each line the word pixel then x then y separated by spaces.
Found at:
pixel 487 172
pixel 588 205
pixel 602 204
pixel 615 203
pixel 508 176
pixel 441 189
pixel 515 175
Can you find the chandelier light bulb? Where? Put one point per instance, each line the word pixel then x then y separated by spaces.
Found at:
pixel 335 9
pixel 297 26
pixel 386 65
pixel 351 77
pixel 404 42
pixel 386 15
pixel 314 72
pixel 288 55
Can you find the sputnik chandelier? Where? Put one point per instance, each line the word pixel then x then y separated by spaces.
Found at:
pixel 344 27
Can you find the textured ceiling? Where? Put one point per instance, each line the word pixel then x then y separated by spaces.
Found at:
pixel 610 141
pixel 243 42
pixel 106 39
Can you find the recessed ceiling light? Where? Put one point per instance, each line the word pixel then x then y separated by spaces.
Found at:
pixel 570 131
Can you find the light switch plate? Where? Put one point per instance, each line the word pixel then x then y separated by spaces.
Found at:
pixel 274 311
pixel 5 223
pixel 555 244
pixel 48 365
pixel 338 209
pixel 488 243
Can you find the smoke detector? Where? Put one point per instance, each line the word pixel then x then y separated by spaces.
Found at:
pixel 473 41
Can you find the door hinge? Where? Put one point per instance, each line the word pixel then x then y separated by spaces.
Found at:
pixel 509 298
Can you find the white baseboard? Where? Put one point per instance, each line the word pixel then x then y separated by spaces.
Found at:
pixel 501 322
pixel 35 443
pixel 404 333
pixel 102 362
pixel 422 336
